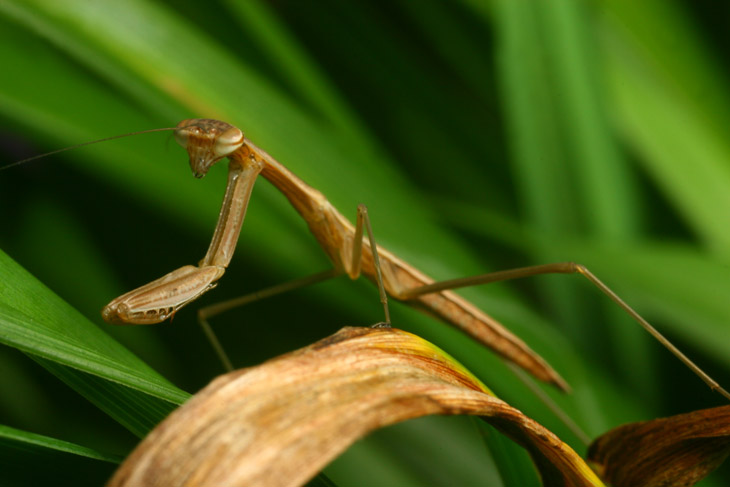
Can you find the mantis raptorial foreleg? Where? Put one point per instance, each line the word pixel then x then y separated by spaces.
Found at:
pixel 207 141
pixel 162 298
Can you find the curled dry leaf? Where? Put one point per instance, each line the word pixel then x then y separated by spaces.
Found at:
pixel 281 422
pixel 676 451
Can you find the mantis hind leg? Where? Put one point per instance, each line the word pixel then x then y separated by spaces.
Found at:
pixel 567 268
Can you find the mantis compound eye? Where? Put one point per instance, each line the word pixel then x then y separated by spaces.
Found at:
pixel 228 142
pixel 181 136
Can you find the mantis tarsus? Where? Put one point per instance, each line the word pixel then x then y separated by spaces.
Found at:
pixel 208 141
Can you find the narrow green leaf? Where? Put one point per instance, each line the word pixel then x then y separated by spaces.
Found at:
pixel 31 459
pixel 133 409
pixel 567 162
pixel 321 480
pixel 11 436
pixel 515 466
pixel 669 106
pixel 36 321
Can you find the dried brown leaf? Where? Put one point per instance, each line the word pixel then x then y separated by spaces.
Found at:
pixel 280 423
pixel 676 451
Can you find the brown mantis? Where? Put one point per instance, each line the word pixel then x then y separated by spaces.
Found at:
pixel 208 141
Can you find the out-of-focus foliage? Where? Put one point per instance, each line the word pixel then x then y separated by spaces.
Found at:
pixel 481 135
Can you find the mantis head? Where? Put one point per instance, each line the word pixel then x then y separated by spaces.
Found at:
pixel 207 141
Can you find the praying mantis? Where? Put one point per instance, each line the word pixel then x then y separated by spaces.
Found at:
pixel 122 268
pixel 209 141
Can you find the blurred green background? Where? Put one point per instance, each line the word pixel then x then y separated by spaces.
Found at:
pixel 481 135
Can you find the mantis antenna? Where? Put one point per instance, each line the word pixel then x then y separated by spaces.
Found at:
pixel 17 163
